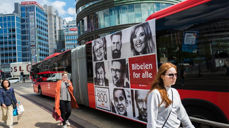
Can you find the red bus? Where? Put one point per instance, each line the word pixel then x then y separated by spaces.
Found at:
pixel 192 34
pixel 46 73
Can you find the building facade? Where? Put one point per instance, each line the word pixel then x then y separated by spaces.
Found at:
pixel 55 23
pixel 34 32
pixel 96 18
pixel 71 35
pixel 10 40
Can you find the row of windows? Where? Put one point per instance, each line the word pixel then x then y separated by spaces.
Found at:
pixel 43 28
pixel 8 54
pixel 42 23
pixel 9 48
pixel 71 41
pixel 43 39
pixel 8 36
pixel 8 24
pixel 41 11
pixel 43 54
pixel 74 37
pixel 9 18
pixel 42 33
pixel 86 5
pixel 8 61
pixel 42 18
pixel 13 43
pixel 27 8
pixel 124 14
pixel 9 30
pixel 44 51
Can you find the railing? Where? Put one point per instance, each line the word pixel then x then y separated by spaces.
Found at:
pixel 209 123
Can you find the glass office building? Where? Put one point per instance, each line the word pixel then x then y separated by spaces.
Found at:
pixel 34 31
pixel 71 35
pixel 101 17
pixel 10 40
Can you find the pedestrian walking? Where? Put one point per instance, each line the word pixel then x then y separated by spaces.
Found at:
pixel 21 76
pixel 8 103
pixel 164 106
pixel 64 99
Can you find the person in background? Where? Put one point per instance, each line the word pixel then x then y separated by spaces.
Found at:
pixel 64 99
pixel 7 98
pixel 21 76
pixel 164 107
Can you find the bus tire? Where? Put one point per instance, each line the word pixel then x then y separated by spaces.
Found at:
pixel 200 113
pixel 39 90
pixel 204 110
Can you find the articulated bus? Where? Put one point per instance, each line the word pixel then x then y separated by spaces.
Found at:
pixel 113 73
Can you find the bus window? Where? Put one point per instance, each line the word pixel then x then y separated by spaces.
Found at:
pixel 201 53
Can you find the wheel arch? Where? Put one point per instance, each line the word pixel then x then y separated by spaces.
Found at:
pixel 217 113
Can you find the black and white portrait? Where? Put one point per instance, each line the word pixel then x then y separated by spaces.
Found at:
pixel 99 49
pixel 141 40
pixel 100 74
pixel 140 104
pixel 118 73
pixel 121 102
pixel 116 44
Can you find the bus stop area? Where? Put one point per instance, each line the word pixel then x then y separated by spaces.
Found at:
pixel 34 116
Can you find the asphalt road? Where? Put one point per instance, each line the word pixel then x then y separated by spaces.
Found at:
pixel 81 118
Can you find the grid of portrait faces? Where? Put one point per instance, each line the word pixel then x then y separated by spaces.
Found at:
pixel 124 65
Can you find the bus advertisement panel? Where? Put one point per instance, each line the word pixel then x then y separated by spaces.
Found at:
pixel 124 65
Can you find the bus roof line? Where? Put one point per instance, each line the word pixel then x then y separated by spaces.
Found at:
pixel 176 8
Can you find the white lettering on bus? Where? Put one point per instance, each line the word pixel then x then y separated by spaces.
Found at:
pixel 141 66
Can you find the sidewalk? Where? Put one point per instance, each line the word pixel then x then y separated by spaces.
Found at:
pixel 33 117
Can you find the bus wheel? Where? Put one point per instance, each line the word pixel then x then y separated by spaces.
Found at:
pixel 200 113
pixel 39 91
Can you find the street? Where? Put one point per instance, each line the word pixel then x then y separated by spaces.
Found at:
pixel 83 117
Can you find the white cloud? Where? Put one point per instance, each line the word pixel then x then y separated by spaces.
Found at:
pixel 68 19
pixel 59 5
pixel 6 7
pixel 71 11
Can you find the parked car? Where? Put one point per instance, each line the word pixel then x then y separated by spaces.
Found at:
pixel 13 79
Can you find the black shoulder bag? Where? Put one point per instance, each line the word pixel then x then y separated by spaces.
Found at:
pixel 169 112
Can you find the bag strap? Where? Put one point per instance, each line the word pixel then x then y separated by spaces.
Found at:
pixel 170 111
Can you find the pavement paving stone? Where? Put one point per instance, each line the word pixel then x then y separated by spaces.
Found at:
pixel 33 116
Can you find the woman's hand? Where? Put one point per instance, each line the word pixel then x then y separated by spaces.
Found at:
pixel 68 81
pixel 3 105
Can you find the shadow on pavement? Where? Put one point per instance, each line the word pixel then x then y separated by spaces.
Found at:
pixel 2 125
pixel 47 125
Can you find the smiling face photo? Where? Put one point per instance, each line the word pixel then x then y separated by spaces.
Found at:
pixel 141 40
pixel 120 101
pixel 99 49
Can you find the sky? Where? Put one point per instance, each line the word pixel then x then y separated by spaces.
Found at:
pixel 65 8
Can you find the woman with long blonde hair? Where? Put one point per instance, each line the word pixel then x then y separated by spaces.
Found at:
pixel 164 107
